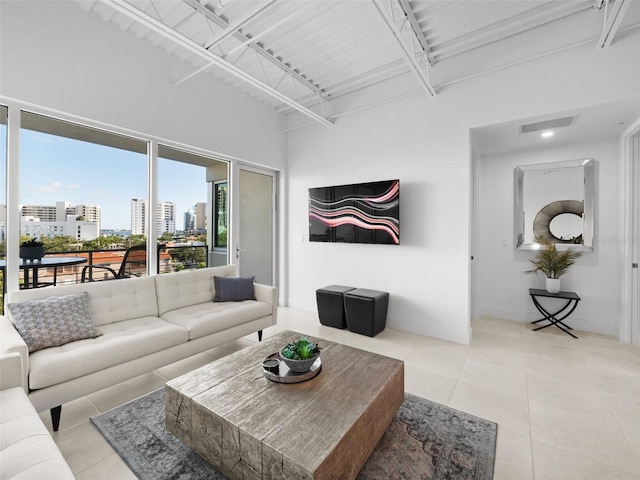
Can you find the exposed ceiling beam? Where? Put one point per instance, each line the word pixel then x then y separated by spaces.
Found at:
pixel 417 30
pixel 258 49
pixel 170 34
pixel 407 48
pixel 612 21
pixel 231 29
pixel 508 27
pixel 259 35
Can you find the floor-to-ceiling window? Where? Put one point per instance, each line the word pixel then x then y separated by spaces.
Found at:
pixel 112 197
pixel 79 188
pixel 188 225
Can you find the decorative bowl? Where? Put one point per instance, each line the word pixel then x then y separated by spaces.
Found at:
pixel 298 366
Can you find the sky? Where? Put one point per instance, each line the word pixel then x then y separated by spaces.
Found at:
pixel 54 168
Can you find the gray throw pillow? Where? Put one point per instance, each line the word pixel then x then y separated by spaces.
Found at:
pixel 233 289
pixel 53 321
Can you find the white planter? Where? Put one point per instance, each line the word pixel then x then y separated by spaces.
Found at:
pixel 553 285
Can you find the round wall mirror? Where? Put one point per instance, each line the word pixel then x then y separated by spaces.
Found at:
pixel 566 226
pixel 566 229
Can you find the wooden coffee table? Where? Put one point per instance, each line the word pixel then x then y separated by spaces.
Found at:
pixel 252 428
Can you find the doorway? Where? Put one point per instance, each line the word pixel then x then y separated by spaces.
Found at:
pixel 255 223
pixel 630 325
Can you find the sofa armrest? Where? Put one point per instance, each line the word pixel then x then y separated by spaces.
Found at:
pixel 12 342
pixel 267 294
pixel 10 370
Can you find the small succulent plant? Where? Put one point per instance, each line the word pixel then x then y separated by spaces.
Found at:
pixel 303 349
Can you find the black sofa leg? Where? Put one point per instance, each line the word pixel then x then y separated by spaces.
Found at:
pixel 259 335
pixel 55 417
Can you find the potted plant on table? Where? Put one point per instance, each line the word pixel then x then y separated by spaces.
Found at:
pixel 552 263
pixel 31 249
pixel 301 355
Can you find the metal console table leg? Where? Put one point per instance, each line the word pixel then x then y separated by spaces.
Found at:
pixel 555 318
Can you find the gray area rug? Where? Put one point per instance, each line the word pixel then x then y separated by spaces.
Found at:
pixel 425 441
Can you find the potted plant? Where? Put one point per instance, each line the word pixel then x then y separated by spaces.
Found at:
pixel 301 355
pixel 31 249
pixel 553 263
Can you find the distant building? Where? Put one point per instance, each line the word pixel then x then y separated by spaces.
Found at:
pixel 200 210
pixel 61 219
pixel 138 216
pixel 118 232
pixel 195 219
pixel 78 229
pixel 60 211
pixel 165 219
pixel 189 221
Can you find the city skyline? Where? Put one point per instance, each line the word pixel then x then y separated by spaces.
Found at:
pixel 55 168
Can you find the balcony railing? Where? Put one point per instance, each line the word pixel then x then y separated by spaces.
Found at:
pixel 169 259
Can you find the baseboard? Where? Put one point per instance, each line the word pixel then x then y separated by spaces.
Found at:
pixel 507 314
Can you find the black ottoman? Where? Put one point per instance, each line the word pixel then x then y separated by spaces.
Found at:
pixel 331 305
pixel 366 311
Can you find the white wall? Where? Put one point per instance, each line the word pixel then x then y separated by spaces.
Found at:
pixel 426 274
pixel 55 55
pixel 425 143
pixel 503 287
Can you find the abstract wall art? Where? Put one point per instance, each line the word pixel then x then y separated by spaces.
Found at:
pixel 357 213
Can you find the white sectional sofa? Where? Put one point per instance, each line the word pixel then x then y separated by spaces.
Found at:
pixel 146 323
pixel 27 451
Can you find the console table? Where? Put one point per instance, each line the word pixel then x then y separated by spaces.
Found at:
pixel 555 318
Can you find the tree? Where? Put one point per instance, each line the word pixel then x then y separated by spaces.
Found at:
pixel 103 243
pixel 135 240
pixel 59 243
pixel 166 237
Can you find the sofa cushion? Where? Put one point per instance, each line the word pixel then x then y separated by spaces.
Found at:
pixel 188 287
pixel 120 342
pixel 53 321
pixel 109 301
pixel 233 289
pixel 206 318
pixel 27 451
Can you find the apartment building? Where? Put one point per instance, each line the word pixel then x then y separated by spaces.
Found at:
pixel 165 217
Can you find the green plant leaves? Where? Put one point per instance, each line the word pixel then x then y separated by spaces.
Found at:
pixel 301 350
pixel 551 262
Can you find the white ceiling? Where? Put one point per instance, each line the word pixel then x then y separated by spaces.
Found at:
pixel 590 124
pixel 298 55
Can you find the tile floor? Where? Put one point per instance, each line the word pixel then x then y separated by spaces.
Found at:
pixel 565 408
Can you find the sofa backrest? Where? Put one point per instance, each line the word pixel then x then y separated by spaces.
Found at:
pixel 109 301
pixel 189 287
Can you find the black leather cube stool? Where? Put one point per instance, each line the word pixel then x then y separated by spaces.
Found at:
pixel 331 305
pixel 366 311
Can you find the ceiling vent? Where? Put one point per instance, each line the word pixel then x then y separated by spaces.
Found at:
pixel 547 124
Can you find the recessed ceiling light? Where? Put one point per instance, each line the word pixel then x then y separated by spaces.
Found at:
pixel 547 134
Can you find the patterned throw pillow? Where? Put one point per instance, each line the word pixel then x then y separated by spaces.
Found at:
pixel 233 289
pixel 53 321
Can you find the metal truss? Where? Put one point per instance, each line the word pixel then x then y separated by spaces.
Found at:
pixel 613 14
pixel 221 30
pixel 399 21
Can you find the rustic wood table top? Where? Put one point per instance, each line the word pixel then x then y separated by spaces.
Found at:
pixel 251 427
